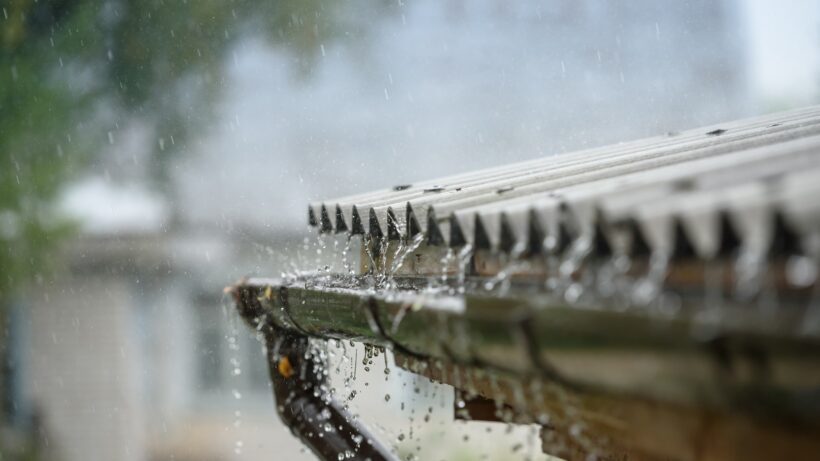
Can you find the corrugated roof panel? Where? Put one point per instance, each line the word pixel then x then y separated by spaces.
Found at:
pixel 688 193
pixel 453 185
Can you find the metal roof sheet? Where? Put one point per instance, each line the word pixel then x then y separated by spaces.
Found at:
pixel 673 192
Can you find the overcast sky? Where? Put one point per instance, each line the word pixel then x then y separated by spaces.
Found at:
pixel 784 49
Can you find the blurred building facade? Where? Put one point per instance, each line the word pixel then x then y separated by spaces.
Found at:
pixel 127 354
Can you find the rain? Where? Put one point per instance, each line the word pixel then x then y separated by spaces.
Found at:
pixel 153 155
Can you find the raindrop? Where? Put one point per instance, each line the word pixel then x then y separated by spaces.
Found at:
pixel 573 293
pixel 801 271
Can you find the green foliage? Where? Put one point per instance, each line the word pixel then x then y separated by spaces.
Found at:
pixel 37 120
pixel 71 71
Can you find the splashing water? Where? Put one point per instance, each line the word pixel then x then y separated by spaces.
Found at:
pixel 446 261
pixel 406 251
pixel 648 288
pixel 515 263
pixel 465 255
pixel 232 339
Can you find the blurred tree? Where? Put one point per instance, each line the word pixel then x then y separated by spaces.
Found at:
pixel 73 72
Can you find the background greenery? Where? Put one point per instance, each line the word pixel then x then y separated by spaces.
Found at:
pixel 74 72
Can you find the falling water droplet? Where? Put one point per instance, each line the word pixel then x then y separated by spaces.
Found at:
pixel 801 271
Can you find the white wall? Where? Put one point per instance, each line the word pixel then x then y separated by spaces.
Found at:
pixel 83 371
